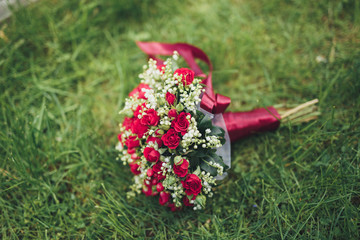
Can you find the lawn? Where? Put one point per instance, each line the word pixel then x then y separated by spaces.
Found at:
pixel 66 67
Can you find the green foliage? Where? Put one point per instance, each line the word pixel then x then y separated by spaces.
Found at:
pixel 66 67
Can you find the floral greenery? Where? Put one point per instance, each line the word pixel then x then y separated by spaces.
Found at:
pixel 66 66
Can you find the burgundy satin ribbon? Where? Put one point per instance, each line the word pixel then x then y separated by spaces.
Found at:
pixel 243 124
pixel 238 124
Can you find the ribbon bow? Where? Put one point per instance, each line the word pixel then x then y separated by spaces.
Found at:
pixel 238 124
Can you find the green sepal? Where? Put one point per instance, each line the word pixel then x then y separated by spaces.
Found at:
pixel 197 171
pixel 162 150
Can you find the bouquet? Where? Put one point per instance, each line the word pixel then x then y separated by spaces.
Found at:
pixel 175 135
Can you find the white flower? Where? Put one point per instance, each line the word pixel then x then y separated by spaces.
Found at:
pixel 119 146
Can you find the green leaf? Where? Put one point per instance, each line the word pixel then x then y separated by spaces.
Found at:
pixel 205 123
pixel 212 157
pixel 200 153
pixel 217 131
pixel 199 115
pixel 218 159
pixel 207 168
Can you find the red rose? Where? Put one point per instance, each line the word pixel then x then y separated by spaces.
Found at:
pixel 181 170
pixel 161 68
pixel 155 140
pixel 159 132
pixel 138 91
pixel 192 184
pixel 159 187
pixel 134 168
pixel 138 128
pixel 187 202
pixel 132 142
pixel 147 183
pixel 173 208
pixel 182 123
pixel 127 123
pixel 170 98
pixel 154 181
pixel 187 75
pixel 150 118
pixel 134 156
pixel 164 198
pixel 139 109
pixel 172 113
pixel 151 154
pixel 157 167
pixel 131 150
pixel 149 172
pixel 160 177
pixel 171 139
pixel 148 191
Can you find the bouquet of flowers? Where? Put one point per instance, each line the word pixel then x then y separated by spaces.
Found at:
pixel 174 135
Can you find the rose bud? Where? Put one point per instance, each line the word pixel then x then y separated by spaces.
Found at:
pixel 181 169
pixel 159 187
pixel 182 123
pixel 187 75
pixel 147 182
pixel 186 201
pixel 156 140
pixel 134 168
pixel 147 191
pixel 131 150
pixel 157 167
pixel 172 113
pixel 161 68
pixel 178 160
pixel 132 142
pixel 149 172
pixel 173 208
pixel 138 92
pixel 154 181
pixel 138 111
pixel 164 198
pixel 170 98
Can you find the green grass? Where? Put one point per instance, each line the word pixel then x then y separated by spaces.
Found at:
pixel 66 67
